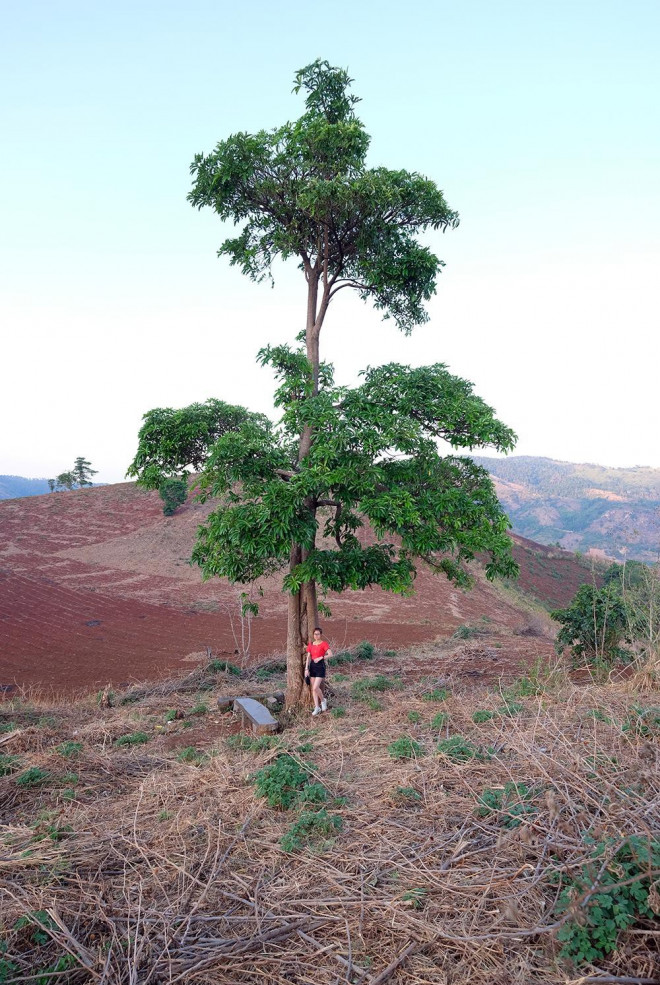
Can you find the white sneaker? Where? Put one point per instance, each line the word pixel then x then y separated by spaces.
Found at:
pixel 324 706
pixel 317 711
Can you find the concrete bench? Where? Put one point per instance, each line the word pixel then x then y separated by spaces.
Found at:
pixel 259 717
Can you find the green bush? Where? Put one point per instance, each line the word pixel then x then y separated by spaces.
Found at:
pixel 344 657
pixel 593 626
pixel 311 827
pixel 69 749
pixel 459 749
pixel 173 493
pixel 465 632
pixel 192 756
pixel 415 717
pixel 9 764
pixel 440 720
pixel 132 739
pixel 483 715
pixel 364 650
pixel 437 694
pixel 405 748
pixel 622 898
pixel 34 777
pixel 281 782
pixel 216 666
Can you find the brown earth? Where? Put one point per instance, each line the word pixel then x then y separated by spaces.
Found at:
pixel 96 588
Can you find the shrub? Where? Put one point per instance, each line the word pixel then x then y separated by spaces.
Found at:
pixel 69 749
pixel 440 720
pixel 459 749
pixel 510 801
pixel 216 666
pixel 173 493
pixel 364 650
pixel 405 748
pixel 281 782
pixel 414 717
pixel 132 739
pixel 483 715
pixel 593 626
pixel 437 694
pixel 344 657
pixel 313 793
pixel 622 898
pixel 9 764
pixel 311 826
pixel 34 777
pixel 192 756
pixel 465 632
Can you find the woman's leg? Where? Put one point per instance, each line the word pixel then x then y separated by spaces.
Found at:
pixel 316 691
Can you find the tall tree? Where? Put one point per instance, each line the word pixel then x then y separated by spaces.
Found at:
pixel 304 191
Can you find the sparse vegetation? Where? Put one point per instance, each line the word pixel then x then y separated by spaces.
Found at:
pixel 405 748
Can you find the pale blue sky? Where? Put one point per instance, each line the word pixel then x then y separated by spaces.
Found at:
pixel 539 120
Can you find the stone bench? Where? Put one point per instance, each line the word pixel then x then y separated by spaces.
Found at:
pixel 256 714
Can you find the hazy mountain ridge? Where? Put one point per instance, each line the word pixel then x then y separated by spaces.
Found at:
pixel 17 486
pixel 581 507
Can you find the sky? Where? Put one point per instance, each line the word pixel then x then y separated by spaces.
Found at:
pixel 538 120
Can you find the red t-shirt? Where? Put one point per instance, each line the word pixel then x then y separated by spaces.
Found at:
pixel 318 650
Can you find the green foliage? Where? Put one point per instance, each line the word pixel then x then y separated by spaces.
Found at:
pixel 509 802
pixel 201 708
pixel 313 793
pixel 362 690
pixel 510 707
pixel 132 739
pixel 483 715
pixel 173 493
pixel 459 749
pixel 437 694
pixel 33 777
pixel 465 632
pixel 41 920
pixel 191 756
pixel 69 749
pixel 632 574
pixel 622 879
pixel 416 897
pixel 599 716
pixel 311 828
pixel 9 764
pixel 405 748
pixel 364 650
pixel 414 717
pixel 406 795
pixel 642 721
pixel 593 626
pixel 338 712
pixel 216 666
pixel 83 472
pixel 282 782
pixel 440 720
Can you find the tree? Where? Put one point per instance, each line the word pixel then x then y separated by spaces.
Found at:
pixel 594 625
pixel 339 457
pixel 65 480
pixel 83 471
pixel 51 485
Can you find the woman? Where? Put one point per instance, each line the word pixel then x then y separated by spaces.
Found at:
pixel 316 652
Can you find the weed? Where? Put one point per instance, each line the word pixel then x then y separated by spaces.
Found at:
pixel 338 712
pixel 313 793
pixel 305 747
pixel 68 794
pixel 34 777
pixel 510 708
pixel 510 801
pixel 623 882
pixel 311 826
pixel 69 778
pixel 361 689
pixel 281 782
pixel 459 749
pixel 437 694
pixel 69 749
pixel 415 717
pixel 216 666
pixel 440 720
pixel 46 721
pixel 340 678
pixel 390 653
pixel 7 727
pixel 9 764
pixel 483 715
pixel 534 682
pixel 344 657
pixel 364 650
pixel 164 815
pixel 200 709
pixel 406 795
pixel 192 756
pixel 39 919
pixel 132 739
pixel 405 748
pixel 599 716
pixel 465 632
pixel 130 699
pixel 170 715
pixel 642 721
pixel 416 897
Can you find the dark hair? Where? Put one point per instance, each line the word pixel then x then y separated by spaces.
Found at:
pixel 319 629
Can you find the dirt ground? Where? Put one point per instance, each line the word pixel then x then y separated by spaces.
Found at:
pixel 96 588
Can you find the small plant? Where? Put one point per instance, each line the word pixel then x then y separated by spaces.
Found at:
pixel 642 721
pixel 191 756
pixel 364 650
pixel 9 764
pixel 510 708
pixel 483 715
pixel 164 815
pixel 405 748
pixel 406 795
pixel 69 749
pixel 622 898
pixel 281 782
pixel 34 777
pixel 390 653
pixel 200 709
pixel 132 739
pixel 599 716
pixel 415 897
pixel 338 712
pixel 39 919
pixel 437 694
pixel 344 657
pixel 459 749
pixel 7 727
pixel 311 827
pixel 46 721
pixel 440 720
pixel 361 689
pixel 218 666
pixel 313 793
pixel 509 801
pixel 414 717
pixel 465 632
pixel 340 678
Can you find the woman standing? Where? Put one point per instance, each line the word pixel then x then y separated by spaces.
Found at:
pixel 317 651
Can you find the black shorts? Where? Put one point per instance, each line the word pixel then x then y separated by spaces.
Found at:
pixel 317 668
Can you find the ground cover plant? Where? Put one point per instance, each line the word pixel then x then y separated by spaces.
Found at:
pixel 540 854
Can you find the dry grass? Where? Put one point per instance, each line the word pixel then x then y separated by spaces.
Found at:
pixel 148 869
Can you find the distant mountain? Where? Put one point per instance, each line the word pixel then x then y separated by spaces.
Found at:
pixel 14 486
pixel 615 512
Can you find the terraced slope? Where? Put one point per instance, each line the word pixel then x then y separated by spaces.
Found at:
pixel 95 587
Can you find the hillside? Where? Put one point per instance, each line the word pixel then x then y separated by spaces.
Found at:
pixel 587 508
pixel 14 486
pixel 95 587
